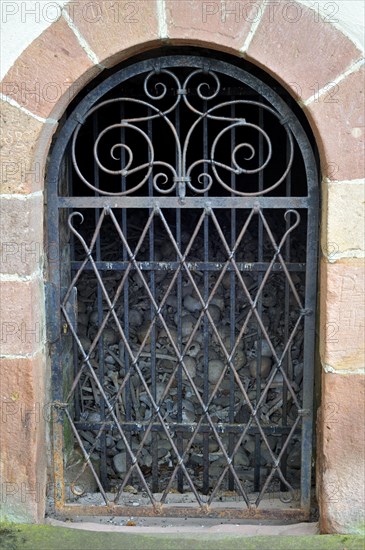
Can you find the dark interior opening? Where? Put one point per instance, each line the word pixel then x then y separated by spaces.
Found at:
pixel 207 243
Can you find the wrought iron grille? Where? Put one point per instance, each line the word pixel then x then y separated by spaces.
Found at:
pixel 182 203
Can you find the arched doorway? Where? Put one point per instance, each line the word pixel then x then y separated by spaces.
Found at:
pixel 183 307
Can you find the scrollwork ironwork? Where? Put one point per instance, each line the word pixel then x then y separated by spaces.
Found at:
pixel 177 176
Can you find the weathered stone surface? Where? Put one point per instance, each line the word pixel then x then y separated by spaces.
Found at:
pixel 114 30
pixel 24 142
pixel 343 227
pixel 23 457
pixel 299 48
pixel 21 235
pixel 50 72
pixel 225 24
pixel 342 315
pixel 337 120
pixel 341 454
pixel 120 462
pixel 21 317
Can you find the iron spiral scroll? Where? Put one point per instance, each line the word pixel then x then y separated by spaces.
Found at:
pixel 183 175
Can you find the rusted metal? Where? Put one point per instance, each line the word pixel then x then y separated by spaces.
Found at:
pixel 225 512
pixel 181 182
pixel 58 458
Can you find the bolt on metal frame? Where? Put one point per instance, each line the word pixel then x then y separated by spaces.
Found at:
pixel 174 185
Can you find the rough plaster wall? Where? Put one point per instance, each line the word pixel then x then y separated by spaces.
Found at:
pixel 23 20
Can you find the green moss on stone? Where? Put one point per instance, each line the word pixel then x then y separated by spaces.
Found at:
pixel 44 537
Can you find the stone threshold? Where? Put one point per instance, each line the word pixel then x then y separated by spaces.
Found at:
pixel 49 537
pixel 185 526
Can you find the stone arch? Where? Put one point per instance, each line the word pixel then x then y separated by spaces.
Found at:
pixel 322 69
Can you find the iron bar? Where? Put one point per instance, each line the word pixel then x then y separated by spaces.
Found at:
pixel 103 458
pixel 232 303
pixel 189 203
pixel 192 266
pixel 184 427
pixel 260 244
pixel 205 319
pixel 179 296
